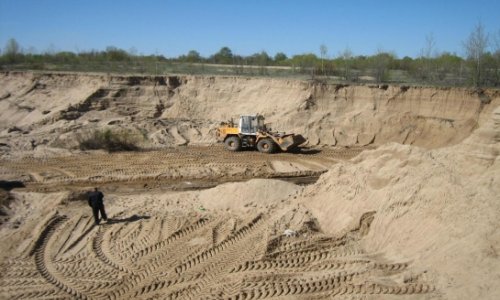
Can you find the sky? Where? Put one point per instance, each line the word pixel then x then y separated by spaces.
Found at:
pixel 174 27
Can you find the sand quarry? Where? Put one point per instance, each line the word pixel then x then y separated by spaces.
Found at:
pixel 394 196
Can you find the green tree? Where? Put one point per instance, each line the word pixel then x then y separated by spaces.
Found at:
pixel 280 58
pixel 263 60
pixel 406 63
pixel 496 55
pixel 116 54
pixel 12 50
pixel 65 57
pixel 381 63
pixel 475 49
pixel 448 68
pixel 323 52
pixel 425 62
pixel 305 62
pixel 193 56
pixel 490 72
pixel 224 56
pixel 346 58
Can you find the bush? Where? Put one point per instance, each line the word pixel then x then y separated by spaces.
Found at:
pixel 109 140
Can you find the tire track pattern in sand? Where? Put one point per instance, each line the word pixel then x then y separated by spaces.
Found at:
pixel 209 257
pixel 201 164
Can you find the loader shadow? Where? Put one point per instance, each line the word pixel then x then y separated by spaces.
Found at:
pixel 304 151
pixel 9 185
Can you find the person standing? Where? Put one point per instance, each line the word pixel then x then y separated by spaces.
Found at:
pixel 96 202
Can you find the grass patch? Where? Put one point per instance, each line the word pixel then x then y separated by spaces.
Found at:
pixel 109 140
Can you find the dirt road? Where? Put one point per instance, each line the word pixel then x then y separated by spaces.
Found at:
pixel 173 168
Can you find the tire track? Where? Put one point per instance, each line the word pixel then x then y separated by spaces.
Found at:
pixel 216 256
pixel 54 173
pixel 97 247
pixel 42 259
pixel 178 234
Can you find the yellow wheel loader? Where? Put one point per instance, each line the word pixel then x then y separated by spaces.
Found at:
pixel 251 132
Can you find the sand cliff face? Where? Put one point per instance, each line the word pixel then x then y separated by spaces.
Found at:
pixel 341 115
pixel 50 109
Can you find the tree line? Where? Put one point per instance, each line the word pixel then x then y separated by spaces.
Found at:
pixel 479 67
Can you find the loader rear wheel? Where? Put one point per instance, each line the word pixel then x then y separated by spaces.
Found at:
pixel 266 146
pixel 233 143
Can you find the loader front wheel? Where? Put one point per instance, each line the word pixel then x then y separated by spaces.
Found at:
pixel 266 146
pixel 233 143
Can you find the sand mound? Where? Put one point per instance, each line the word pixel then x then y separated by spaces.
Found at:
pixel 252 195
pixel 437 208
pixel 160 245
pixel 27 218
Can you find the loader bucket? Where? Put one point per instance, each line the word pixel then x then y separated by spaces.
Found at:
pixel 290 141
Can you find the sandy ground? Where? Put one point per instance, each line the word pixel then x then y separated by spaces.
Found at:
pixel 196 222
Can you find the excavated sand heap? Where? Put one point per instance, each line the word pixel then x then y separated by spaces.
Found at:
pixel 439 209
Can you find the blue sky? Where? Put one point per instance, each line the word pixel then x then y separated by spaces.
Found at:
pixel 172 28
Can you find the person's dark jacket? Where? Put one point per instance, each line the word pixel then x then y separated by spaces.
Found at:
pixel 95 198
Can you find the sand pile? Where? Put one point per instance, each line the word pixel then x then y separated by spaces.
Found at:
pixel 28 216
pixel 253 195
pixel 438 209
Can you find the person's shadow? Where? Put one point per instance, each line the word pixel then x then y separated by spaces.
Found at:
pixel 132 218
pixel 110 221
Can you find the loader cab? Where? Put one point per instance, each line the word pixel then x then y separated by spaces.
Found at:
pixel 251 124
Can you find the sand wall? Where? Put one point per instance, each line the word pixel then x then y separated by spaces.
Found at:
pixel 51 108
pixel 338 114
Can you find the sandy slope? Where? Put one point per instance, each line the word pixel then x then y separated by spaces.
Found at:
pixel 194 245
pixel 437 208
